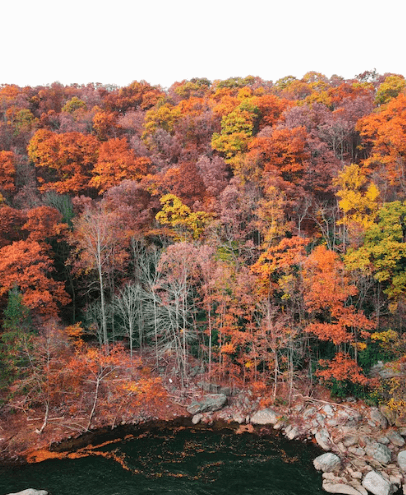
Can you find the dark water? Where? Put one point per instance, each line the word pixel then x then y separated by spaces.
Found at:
pixel 178 462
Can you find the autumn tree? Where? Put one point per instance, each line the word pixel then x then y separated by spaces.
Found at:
pixel 385 133
pixel 117 162
pixel 7 171
pixel 359 200
pixel 327 292
pixel 383 252
pixel 64 161
pixel 180 217
pixel 26 265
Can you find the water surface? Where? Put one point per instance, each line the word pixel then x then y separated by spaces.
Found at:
pixel 178 462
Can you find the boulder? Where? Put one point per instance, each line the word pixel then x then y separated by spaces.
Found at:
pixel 327 410
pixel 197 418
pixel 309 412
pixel 339 488
pixel 209 403
pixel 402 431
pixel 377 484
pixel 327 462
pixel 323 439
pixel 379 452
pixel 395 438
pixel 265 417
pixel 292 432
pixel 389 414
pixel 385 371
pixel 238 418
pixel 402 460
pixel 377 417
pixel 349 440
pixel 30 491
pixel 226 391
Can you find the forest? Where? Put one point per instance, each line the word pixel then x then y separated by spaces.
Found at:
pixel 251 229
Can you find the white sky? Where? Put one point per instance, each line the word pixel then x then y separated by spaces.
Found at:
pixel 163 41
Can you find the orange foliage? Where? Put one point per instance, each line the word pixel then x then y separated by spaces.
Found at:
pixel 105 125
pixel 342 368
pixel 7 171
pixel 117 162
pixel 284 153
pixel 11 223
pixel 44 223
pixel 25 264
pixel 385 131
pixel 327 289
pixel 65 161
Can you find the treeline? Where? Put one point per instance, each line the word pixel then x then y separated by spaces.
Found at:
pixel 258 227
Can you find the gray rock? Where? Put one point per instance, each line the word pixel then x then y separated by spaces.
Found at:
pixel 265 417
pixel 402 460
pixel 226 391
pixel 402 431
pixel 323 439
pixel 309 412
pixel 350 440
pixel 279 425
pixel 327 462
pixel 395 438
pixel 197 418
pixel 358 451
pixel 379 452
pixel 239 418
pixel 385 370
pixel 357 485
pixel 384 440
pixel 389 414
pixel 328 410
pixel 377 417
pixel 293 433
pixel 349 417
pixel 339 488
pixel 30 491
pixel 209 403
pixel 377 484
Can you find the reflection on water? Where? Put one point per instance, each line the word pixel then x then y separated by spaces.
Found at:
pixel 182 461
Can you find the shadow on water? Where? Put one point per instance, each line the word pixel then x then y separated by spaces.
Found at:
pixel 177 461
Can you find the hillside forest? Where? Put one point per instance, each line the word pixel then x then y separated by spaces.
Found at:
pixel 252 230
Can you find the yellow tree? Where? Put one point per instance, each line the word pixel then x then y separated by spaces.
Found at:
pixel 180 217
pixel 359 200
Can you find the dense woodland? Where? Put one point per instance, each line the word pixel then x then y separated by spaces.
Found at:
pixel 251 228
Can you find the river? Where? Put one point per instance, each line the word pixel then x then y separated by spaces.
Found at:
pixel 185 461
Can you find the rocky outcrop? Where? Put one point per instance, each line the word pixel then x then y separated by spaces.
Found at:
pixel 209 403
pixel 265 417
pixel 30 491
pixel 375 483
pixel 327 463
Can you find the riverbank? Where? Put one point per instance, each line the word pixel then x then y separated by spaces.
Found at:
pixel 362 441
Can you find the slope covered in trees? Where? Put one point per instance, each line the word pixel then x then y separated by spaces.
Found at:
pixel 256 227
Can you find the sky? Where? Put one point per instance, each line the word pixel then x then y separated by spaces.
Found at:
pixel 163 41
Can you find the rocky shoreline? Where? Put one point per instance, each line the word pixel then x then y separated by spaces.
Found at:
pixel 364 451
